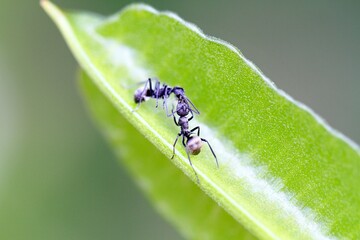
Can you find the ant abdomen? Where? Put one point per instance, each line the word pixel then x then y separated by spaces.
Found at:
pixel 194 145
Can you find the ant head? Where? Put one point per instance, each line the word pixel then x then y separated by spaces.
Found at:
pixel 193 145
pixel 140 95
pixel 178 91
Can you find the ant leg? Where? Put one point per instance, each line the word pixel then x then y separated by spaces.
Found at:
pixel 192 107
pixel 165 96
pixel 172 112
pixel 164 102
pixel 165 105
pixel 177 124
pixel 136 108
pixel 204 140
pixel 192 116
pixel 149 81
pixel 179 134
pixel 157 88
pixel 187 152
pixel 150 88
pixel 196 128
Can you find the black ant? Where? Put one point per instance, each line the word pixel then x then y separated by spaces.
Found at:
pixel 184 107
pixel 192 144
pixel 164 92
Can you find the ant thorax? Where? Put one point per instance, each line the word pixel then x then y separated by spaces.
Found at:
pixel 184 123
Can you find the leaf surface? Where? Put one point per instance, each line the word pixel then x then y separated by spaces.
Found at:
pixel 174 195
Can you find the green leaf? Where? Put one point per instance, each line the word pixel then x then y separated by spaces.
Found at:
pixel 284 173
pixel 184 204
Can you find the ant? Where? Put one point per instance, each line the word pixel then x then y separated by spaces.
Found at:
pixel 184 107
pixel 164 92
pixel 192 144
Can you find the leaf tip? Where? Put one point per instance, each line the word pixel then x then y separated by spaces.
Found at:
pixel 44 3
pixel 49 7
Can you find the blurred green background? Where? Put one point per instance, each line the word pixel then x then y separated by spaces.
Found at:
pixel 60 180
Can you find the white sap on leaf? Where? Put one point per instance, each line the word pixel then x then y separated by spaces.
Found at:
pixel 240 167
pixel 120 55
